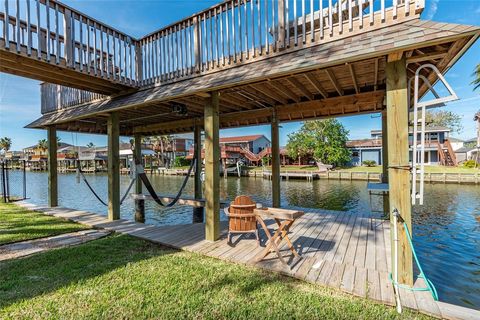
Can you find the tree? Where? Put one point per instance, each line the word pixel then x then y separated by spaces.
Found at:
pixel 91 145
pixel 443 118
pixel 476 74
pixel 5 144
pixel 324 140
pixel 42 145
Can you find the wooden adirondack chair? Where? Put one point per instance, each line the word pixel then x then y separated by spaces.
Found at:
pixel 241 219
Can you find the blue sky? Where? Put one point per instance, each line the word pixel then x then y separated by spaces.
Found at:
pixel 20 98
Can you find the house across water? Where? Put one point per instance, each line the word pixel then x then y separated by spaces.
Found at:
pixel 440 148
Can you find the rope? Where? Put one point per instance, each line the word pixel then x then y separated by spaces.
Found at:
pixel 141 174
pixel 430 287
pixel 96 194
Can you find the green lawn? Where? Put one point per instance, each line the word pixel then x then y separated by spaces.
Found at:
pixel 17 224
pixel 120 277
pixel 428 169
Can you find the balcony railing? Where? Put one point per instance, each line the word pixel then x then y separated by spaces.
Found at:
pixel 231 33
pixel 56 97
pixel 55 33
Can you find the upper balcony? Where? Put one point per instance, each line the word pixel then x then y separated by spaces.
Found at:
pixel 58 44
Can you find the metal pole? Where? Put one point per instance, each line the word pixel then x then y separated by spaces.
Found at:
pixel 24 180
pixel 4 188
pixel 7 189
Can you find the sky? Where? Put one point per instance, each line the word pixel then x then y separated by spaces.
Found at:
pixel 20 97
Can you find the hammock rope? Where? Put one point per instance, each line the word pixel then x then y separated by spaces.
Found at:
pixel 140 173
pixel 79 169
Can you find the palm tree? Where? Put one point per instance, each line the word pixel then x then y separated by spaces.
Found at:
pixel 5 144
pixel 476 74
pixel 42 145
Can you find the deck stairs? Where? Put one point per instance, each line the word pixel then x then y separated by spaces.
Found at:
pixel 446 154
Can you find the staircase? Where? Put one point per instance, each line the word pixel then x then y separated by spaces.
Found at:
pixel 446 154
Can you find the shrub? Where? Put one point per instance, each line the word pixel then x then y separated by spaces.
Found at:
pixel 469 164
pixel 181 162
pixel 369 163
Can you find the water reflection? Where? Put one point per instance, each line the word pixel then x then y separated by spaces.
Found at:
pixel 446 229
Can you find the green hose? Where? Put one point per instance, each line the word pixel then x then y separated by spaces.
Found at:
pixel 430 287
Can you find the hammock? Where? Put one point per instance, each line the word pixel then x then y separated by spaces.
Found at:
pixel 79 170
pixel 140 173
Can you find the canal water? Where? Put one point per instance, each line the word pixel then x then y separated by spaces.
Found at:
pixel 446 228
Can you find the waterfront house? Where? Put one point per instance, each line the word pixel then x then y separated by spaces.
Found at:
pixel 439 147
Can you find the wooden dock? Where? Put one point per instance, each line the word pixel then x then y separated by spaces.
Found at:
pixel 339 249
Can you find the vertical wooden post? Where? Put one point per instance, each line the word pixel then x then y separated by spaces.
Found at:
pixel 197 44
pixel 67 26
pixel 139 203
pixel 275 160
pixel 113 167
pixel 384 147
pixel 52 167
pixel 138 62
pixel 398 157
pixel 212 174
pixel 281 23
pixel 197 145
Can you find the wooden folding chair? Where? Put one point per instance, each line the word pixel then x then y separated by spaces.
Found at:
pixel 241 218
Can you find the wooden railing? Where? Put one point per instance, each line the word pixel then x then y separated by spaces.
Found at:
pixel 56 97
pixel 55 33
pixel 237 31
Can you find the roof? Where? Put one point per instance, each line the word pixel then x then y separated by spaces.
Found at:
pixel 427 129
pixel 60 145
pixel 464 150
pixel 240 139
pixel 453 139
pixel 364 143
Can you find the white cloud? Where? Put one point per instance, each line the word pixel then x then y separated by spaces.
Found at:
pixel 432 9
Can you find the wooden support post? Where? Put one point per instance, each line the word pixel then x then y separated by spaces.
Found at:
pixel 399 173
pixel 275 160
pixel 384 147
pixel 212 174
pixel 139 203
pixel 113 130
pixel 197 44
pixel 197 145
pixel 52 167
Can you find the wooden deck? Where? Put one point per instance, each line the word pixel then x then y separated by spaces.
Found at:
pixel 339 250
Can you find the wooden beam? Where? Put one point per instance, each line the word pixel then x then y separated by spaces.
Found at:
pixel 316 84
pixel 426 57
pixel 294 81
pixel 139 203
pixel 113 167
pixel 279 87
pixel 399 168
pixel 203 94
pixel 334 81
pixel 52 167
pixel 354 77
pixel 272 95
pixel 197 146
pixel 275 160
pixel 212 174
pixel 395 56
pixel 375 81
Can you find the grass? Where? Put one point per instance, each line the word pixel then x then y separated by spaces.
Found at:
pixel 128 278
pixel 428 169
pixel 18 224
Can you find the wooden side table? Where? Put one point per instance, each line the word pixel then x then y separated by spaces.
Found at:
pixel 284 219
